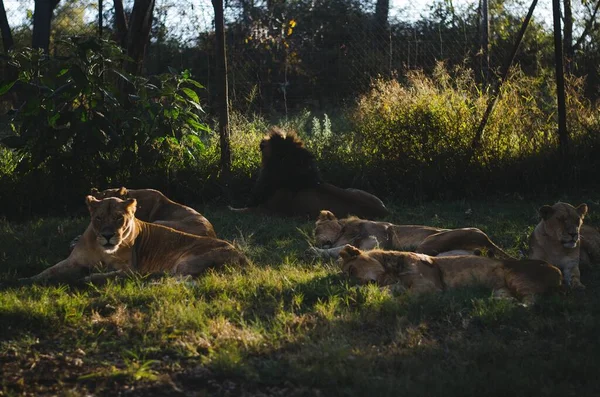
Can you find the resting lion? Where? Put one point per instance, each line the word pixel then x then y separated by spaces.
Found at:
pixel 115 238
pixel 331 234
pixel 289 184
pixel 155 207
pixel 562 239
pixel 523 279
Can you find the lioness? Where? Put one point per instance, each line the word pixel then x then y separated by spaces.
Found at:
pixel 423 273
pixel 116 238
pixel 561 238
pixel 155 207
pixel 331 234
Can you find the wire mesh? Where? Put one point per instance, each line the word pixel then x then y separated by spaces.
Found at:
pixel 316 53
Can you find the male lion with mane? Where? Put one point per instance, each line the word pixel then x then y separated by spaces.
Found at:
pixel 331 234
pixel 115 238
pixel 289 184
pixel 561 238
pixel 522 279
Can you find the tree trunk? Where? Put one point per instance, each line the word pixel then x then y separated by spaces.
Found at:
pixel 7 38
pixel 42 16
pixel 382 10
pixel 569 50
pixel 485 41
pixel 563 136
pixel 138 34
pixel 222 97
pixel 120 23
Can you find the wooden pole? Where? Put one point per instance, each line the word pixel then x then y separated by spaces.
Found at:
pixel 222 97
pixel 563 136
pixel 496 91
pixel 100 18
pixel 485 41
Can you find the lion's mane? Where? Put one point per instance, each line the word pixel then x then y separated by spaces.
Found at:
pixel 286 164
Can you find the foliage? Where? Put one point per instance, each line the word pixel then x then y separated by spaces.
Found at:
pixel 85 122
pixel 420 132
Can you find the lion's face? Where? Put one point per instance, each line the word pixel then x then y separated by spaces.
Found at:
pixel 357 264
pixel 112 221
pixel 327 230
pixel 563 222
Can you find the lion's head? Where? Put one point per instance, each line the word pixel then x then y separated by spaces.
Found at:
pixel 327 229
pixel 356 263
pixel 114 192
pixel 563 222
pixel 285 164
pixel 111 220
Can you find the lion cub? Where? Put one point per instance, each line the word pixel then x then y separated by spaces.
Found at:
pixel 423 273
pixel 115 238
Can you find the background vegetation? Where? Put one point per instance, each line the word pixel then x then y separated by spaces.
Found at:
pixel 362 86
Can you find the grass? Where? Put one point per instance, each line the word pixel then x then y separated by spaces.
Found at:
pixel 288 326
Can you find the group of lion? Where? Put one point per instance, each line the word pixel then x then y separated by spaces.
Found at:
pixel 145 232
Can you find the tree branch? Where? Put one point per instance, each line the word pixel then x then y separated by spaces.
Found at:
pixel 589 26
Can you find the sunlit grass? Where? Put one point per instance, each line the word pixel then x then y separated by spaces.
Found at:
pixel 287 323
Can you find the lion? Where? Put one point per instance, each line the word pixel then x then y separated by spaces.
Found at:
pixel 155 207
pixel 561 238
pixel 331 234
pixel 521 279
pixel 116 239
pixel 290 184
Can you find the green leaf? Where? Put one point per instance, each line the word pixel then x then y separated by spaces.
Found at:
pixel 191 94
pixel 52 120
pixel 121 75
pixel 196 125
pixel 62 72
pixel 195 141
pixel 194 83
pixel 6 87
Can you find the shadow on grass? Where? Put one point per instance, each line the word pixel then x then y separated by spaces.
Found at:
pixel 457 343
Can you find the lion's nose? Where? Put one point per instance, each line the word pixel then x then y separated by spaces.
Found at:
pixel 107 236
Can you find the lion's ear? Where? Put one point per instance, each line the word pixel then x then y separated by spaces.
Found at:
pixel 546 212
pixel 122 191
pixel 325 215
pixel 349 252
pixel 130 205
pixel 94 191
pixel 582 209
pixel 351 270
pixel 92 202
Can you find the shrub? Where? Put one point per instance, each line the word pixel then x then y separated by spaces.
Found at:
pixel 85 122
pixel 417 136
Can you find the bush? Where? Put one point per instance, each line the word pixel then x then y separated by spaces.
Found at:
pixel 416 137
pixel 84 122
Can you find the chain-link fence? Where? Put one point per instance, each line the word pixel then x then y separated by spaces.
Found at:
pixel 301 54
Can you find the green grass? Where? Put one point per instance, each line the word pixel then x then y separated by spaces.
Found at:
pixel 288 326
